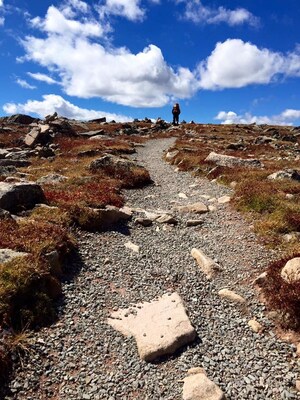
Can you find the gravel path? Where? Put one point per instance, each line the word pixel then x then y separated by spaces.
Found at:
pixel 81 357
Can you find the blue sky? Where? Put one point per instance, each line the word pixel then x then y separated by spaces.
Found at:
pixel 224 61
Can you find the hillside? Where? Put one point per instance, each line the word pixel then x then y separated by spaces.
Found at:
pixel 101 217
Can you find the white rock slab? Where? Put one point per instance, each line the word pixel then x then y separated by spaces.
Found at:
pixel 159 327
pixel 197 386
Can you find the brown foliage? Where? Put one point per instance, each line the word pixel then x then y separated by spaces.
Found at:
pixel 282 296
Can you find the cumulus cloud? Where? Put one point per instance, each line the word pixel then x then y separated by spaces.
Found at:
pixel 2 20
pixel 287 117
pixel 88 69
pixel 1 3
pixel 42 77
pixel 130 9
pixel 56 22
pixel 24 84
pixel 198 13
pixel 235 64
pixel 53 103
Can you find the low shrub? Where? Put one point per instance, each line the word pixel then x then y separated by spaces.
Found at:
pixel 282 296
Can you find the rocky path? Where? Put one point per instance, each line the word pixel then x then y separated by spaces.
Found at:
pixel 82 357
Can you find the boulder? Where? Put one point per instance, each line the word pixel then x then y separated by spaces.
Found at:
pixel 160 327
pixel 16 197
pixel 230 161
pixel 198 208
pixel 231 296
pixel 3 153
pixel 14 163
pixel 101 219
pixel 38 134
pixel 63 127
pixel 197 386
pixel 290 174
pixel 206 264
pixel 92 133
pixel 7 170
pixel 224 199
pixel 7 255
pixel 52 179
pixel 21 119
pixel 98 120
pixel 291 271
pixel 111 161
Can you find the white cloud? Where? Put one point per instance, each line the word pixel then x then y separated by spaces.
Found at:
pixel 2 20
pixel 287 117
pixel 24 84
pixel 235 64
pixel 56 22
pixel 129 9
pixel 1 3
pixel 42 77
pixel 196 12
pixel 53 103
pixel 88 69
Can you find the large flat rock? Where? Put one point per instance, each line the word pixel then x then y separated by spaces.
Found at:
pixel 160 327
pixel 20 196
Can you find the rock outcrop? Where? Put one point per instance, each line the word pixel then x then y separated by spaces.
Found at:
pixel 20 196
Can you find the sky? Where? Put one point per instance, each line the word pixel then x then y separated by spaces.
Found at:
pixel 223 61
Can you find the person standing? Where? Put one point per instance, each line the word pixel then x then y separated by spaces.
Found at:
pixel 176 112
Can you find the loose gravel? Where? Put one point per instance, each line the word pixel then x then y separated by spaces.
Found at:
pixel 82 357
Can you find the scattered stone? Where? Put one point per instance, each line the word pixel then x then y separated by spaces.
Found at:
pixel 298 385
pixel 132 246
pixel 198 208
pixel 194 222
pixel 260 280
pixel 224 199
pixel 20 196
pixel 298 350
pixel 159 327
pixel 231 161
pixel 197 386
pixel 143 221
pixel 14 163
pixel 171 155
pixel 255 326
pixel 182 195
pixel 206 264
pixel 166 219
pixel 231 296
pixel 291 271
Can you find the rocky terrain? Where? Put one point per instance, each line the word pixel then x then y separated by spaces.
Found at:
pixel 183 257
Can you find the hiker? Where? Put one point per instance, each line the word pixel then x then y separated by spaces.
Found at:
pixel 176 112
